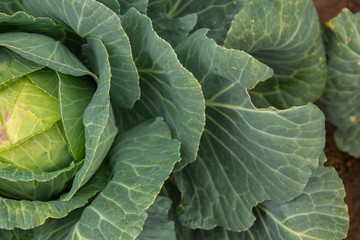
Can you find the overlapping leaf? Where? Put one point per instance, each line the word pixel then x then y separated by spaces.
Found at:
pixel 23 22
pixel 143 158
pixel 157 225
pixel 171 28
pixel 167 88
pixel 213 14
pixel 318 213
pixel 140 5
pixel 98 118
pixel 341 100
pixel 247 155
pixel 11 6
pixel 20 184
pixel 91 19
pixel 45 51
pixel 99 122
pixel 286 36
pixel 14 65
pixel 34 213
pixel 112 4
pixel 75 95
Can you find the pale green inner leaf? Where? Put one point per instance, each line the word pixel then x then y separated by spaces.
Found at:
pixel 44 50
pixel 13 65
pixel 46 151
pixel 75 96
pixel 26 110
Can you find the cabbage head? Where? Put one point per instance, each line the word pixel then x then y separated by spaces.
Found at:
pixel 123 119
pixel 72 123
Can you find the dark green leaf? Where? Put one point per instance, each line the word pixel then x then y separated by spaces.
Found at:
pixel 23 22
pixel 318 213
pixel 112 4
pixel 20 184
pixel 91 19
pixel 157 225
pixel 57 229
pixel 143 158
pixel 341 99
pixel 35 213
pixel 247 155
pixel 167 88
pixel 213 14
pixel 140 5
pixel 11 6
pixel 173 30
pixel 286 36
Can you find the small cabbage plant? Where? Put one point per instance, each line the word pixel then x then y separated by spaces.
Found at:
pixel 162 119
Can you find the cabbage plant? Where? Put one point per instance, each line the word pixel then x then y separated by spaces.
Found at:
pixel 340 100
pixel 151 119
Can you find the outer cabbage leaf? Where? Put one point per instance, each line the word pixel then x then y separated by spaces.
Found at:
pixel 11 6
pixel 16 234
pixel 173 29
pixel 247 155
pixel 98 118
pixel 23 22
pixel 91 19
pixel 341 100
pixel 318 213
pixel 167 88
pixel 158 225
pixel 140 5
pixel 51 53
pixel 34 213
pixel 112 4
pixel 16 66
pixel 35 185
pixel 213 14
pixel 286 36
pixel 57 229
pixel 142 160
pixel 52 229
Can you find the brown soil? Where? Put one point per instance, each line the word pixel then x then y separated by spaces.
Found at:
pixel 347 166
pixel 328 9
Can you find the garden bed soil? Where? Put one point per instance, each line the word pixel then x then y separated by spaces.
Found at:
pixel 347 166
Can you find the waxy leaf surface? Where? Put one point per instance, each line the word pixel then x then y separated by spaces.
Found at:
pixel 35 213
pixel 11 6
pixel 22 21
pixel 142 160
pixel 171 28
pixel 341 100
pixel 318 213
pixel 140 5
pixel 98 118
pixel 247 155
pixel 91 19
pixel 167 88
pixel 286 36
pixel 157 224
